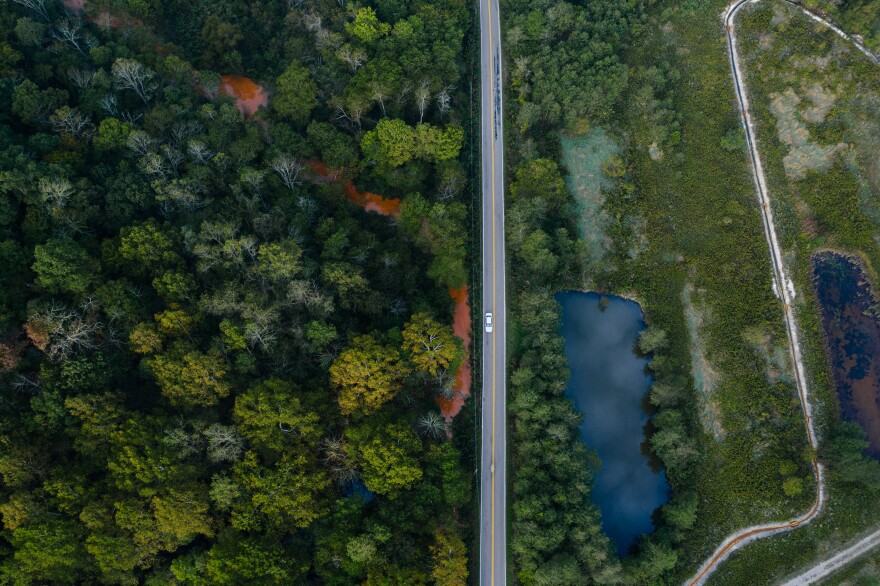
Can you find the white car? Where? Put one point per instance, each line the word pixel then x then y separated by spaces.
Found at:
pixel 489 323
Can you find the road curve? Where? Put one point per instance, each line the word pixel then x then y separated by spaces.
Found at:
pixel 493 452
pixel 784 289
pixel 836 562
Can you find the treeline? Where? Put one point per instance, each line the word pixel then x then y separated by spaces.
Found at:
pixel 214 368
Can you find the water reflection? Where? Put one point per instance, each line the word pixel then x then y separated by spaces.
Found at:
pixel 608 383
pixel 853 335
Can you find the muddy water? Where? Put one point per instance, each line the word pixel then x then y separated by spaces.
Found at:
pixel 608 383
pixel 385 206
pixel 249 96
pixel 461 325
pixel 853 337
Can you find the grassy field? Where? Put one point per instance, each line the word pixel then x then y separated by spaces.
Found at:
pixel 815 103
pixel 687 242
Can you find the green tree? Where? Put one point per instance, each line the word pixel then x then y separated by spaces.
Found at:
pixel 279 261
pixel 449 557
pixel 291 491
pixel 366 26
pixel 50 551
pixel 239 558
pixel 148 249
pixel 271 415
pixel 368 375
pixel 297 94
pixel 539 178
pixel 112 134
pixel 62 265
pixel 34 105
pixel 219 40
pixel 388 457
pixel 189 378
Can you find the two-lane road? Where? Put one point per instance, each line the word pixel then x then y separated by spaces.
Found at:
pixel 493 457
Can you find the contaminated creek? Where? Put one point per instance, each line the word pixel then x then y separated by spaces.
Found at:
pixel 608 385
pixel 852 332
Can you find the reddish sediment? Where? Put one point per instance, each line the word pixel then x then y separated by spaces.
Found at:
pixel 371 202
pixel 249 96
pixel 461 326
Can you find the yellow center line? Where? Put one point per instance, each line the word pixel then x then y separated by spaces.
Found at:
pixel 492 183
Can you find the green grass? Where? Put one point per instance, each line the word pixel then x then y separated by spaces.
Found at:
pixel 825 209
pixel 699 226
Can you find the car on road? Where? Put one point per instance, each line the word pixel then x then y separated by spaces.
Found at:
pixel 489 323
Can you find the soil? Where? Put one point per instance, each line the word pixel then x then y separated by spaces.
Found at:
pixel 249 96
pixel 461 325
pixel 371 202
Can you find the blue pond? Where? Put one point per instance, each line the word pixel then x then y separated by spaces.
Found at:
pixel 608 383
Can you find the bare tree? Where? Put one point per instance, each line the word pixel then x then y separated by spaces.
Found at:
pixel 312 22
pixel 72 121
pixel 68 31
pixel 132 75
pixel 108 104
pixel 423 96
pixel 444 102
pixel 55 191
pixel 288 170
pixel 379 93
pixel 81 78
pixel 253 178
pixel 186 440
pixel 59 331
pixel 224 443
pixel 140 142
pixel 342 468
pixel 452 181
pixel 404 92
pixel 352 56
pixel 398 307
pixel 199 151
pixel 153 165
pixel 38 6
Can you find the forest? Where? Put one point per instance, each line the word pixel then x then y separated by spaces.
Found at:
pixel 225 325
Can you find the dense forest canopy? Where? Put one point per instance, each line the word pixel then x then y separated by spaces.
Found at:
pixel 214 367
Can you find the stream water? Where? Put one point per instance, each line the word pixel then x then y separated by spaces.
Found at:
pixel 608 383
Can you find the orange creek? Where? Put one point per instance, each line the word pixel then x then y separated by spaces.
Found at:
pixel 249 96
pixel 461 325
pixel 386 206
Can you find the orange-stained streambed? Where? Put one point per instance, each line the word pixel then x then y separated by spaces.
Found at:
pixel 461 325
pixel 249 96
pixel 385 206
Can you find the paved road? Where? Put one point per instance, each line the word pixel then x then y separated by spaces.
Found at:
pixel 836 562
pixel 493 457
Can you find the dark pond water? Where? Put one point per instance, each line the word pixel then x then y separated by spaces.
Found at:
pixel 853 336
pixel 608 383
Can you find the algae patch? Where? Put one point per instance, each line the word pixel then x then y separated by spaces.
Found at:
pixel 583 157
